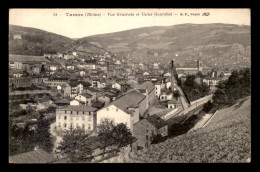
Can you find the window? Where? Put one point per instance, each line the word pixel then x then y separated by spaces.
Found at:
pixel 65 125
pixel 59 124
pixel 65 112
pixel 65 117
pixel 77 112
pixel 89 126
pixel 146 131
pixel 83 112
pixel 147 137
pixel 146 125
pixel 70 125
pixel 83 126
pixel 70 112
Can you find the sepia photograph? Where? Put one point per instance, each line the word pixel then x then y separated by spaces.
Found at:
pixel 129 85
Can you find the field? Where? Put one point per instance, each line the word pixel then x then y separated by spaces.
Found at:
pixel 26 58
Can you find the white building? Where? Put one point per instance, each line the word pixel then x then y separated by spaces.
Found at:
pixel 96 84
pixel 83 117
pixel 173 104
pixel 74 103
pixel 70 67
pixel 146 73
pixel 53 68
pixel 116 86
pixel 74 53
pixel 158 89
pixel 125 110
pixel 212 81
pixel 82 73
pixel 16 36
pixel 168 74
pixel 59 87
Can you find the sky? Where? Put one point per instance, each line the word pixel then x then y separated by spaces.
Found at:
pixel 82 26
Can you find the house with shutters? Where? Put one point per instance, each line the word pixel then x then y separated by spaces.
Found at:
pixel 73 117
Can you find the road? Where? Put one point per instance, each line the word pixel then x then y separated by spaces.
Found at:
pixel 195 104
pixel 201 122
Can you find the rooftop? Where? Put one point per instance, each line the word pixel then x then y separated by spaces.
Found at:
pixel 156 121
pixel 174 101
pixel 146 85
pixel 35 156
pixel 131 99
pixel 78 108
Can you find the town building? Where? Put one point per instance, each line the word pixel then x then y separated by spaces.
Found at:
pixel 174 104
pixel 73 117
pixel 17 36
pixel 212 81
pixel 146 128
pixel 20 82
pixel 126 109
pixel 54 82
pixel 75 103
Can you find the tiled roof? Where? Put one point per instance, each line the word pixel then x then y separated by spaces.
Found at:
pixel 156 121
pixel 146 85
pixel 63 101
pixel 213 78
pixel 36 156
pixel 174 101
pixel 131 99
pixel 78 108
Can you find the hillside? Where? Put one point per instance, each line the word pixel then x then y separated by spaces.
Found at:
pixel 188 40
pixel 37 42
pixel 227 138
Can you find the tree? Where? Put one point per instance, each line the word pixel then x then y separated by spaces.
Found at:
pixel 176 94
pixel 42 69
pixel 105 132
pixel 122 135
pixel 74 146
pixel 207 106
pixel 236 87
pixel 42 136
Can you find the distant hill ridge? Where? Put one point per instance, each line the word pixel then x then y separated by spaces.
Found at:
pixel 37 42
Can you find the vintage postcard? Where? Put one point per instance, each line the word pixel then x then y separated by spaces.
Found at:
pixel 129 85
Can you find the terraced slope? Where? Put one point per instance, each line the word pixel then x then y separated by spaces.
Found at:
pixel 227 138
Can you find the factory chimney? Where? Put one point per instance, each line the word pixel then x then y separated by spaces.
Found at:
pixel 172 75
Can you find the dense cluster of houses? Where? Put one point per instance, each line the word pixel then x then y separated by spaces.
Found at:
pixel 106 86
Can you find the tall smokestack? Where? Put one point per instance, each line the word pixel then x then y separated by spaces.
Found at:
pixel 172 75
pixel 147 97
pixel 108 70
